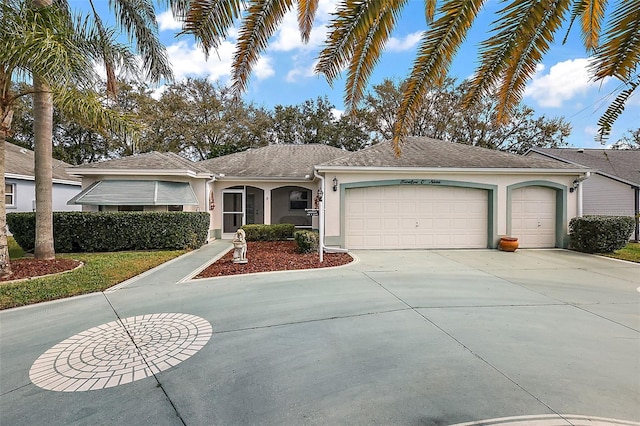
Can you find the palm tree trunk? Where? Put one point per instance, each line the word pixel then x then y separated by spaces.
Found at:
pixel 5 265
pixel 6 114
pixel 43 149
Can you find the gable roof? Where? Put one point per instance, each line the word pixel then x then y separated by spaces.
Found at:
pixel 622 165
pixel 421 152
pixel 20 161
pixel 150 163
pixel 273 161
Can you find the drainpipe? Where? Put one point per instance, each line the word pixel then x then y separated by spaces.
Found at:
pixel 636 236
pixel 580 180
pixel 207 191
pixel 321 217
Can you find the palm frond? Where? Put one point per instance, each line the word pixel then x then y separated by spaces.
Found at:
pixel 435 53
pixel 605 123
pixel 368 50
pixel 619 54
pixel 208 20
pixel 306 14
pixel 430 10
pixel 138 19
pixel 261 21
pixel 88 109
pixel 350 25
pixel 536 30
pixel 591 14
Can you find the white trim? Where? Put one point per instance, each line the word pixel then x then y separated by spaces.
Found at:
pixel 12 194
pixel 262 179
pixel 444 170
pixel 32 178
pixel 139 172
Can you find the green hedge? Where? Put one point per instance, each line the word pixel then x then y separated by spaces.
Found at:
pixel 600 234
pixel 76 232
pixel 307 241
pixel 277 232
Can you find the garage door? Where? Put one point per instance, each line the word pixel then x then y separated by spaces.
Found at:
pixel 414 216
pixel 533 216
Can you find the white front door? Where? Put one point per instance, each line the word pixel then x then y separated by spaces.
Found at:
pixel 415 217
pixel 533 216
pixel 233 211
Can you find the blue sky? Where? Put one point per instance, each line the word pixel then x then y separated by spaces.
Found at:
pixel 284 74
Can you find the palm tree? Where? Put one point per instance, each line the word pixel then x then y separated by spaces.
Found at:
pixel 44 44
pixel 138 20
pixel 522 34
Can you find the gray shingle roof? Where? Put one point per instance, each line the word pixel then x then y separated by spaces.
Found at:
pixel 20 161
pixel 273 161
pixel 148 161
pixel 624 164
pixel 426 152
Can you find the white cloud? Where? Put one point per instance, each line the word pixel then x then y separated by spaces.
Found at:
pixel 563 82
pixel 190 61
pixel 401 44
pixel 166 21
pixel 263 69
pixel 287 38
pixel 337 113
pixel 301 71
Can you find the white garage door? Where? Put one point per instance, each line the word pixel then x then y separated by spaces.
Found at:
pixel 533 216
pixel 414 216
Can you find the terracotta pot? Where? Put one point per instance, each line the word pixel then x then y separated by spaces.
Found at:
pixel 508 244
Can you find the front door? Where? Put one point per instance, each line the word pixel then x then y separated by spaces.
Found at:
pixel 233 211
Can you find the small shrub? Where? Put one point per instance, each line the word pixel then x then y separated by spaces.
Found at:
pixel 277 232
pixel 115 231
pixel 307 241
pixel 600 234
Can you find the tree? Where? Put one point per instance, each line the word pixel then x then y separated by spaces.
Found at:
pixel 443 116
pixel 313 121
pixel 521 35
pixel 44 44
pixel 630 140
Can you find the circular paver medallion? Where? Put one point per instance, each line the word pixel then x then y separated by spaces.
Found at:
pixel 120 352
pixel 551 420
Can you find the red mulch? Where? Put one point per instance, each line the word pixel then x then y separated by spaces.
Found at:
pixel 32 268
pixel 267 256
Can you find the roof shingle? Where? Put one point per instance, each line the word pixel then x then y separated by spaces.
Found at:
pixel 20 161
pixel 147 161
pixel 431 153
pixel 624 164
pixel 275 161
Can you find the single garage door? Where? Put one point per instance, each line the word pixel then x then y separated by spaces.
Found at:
pixel 533 216
pixel 415 216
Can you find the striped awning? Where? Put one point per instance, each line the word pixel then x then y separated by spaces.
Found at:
pixel 136 193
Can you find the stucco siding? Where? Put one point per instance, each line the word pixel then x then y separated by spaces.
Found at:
pixel 25 195
pixel 605 196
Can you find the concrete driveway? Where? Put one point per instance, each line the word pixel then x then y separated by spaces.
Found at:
pixel 399 337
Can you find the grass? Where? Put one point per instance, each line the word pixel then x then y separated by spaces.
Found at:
pixel 15 251
pixel 100 271
pixel 631 253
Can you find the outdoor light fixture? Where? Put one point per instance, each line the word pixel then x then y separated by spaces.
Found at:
pixel 335 184
pixel 320 194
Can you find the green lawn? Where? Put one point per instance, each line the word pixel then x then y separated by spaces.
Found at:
pixel 631 253
pixel 100 271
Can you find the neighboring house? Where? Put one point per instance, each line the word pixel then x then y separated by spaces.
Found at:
pixel 435 195
pixel 20 192
pixel 614 188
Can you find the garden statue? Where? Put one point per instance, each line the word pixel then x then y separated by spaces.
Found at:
pixel 240 247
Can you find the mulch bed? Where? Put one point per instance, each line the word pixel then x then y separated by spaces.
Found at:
pixel 265 256
pixel 33 268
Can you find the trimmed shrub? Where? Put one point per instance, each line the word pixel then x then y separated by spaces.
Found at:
pixel 76 232
pixel 307 241
pixel 600 234
pixel 277 232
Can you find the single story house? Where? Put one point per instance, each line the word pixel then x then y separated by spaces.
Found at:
pixel 20 188
pixel 435 195
pixel 613 189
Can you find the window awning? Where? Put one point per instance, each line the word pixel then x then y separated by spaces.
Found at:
pixel 136 193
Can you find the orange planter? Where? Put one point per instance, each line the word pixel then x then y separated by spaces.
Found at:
pixel 508 244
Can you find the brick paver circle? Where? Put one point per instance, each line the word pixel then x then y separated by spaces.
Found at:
pixel 120 352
